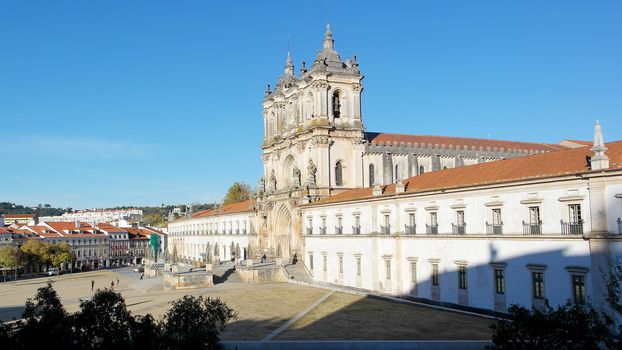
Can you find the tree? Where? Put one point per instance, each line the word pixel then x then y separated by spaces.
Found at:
pixel 105 323
pixel 569 326
pixel 238 192
pixel 11 257
pixel 154 219
pixel 146 332
pixel 35 253
pixel 59 253
pixel 104 320
pixel 46 323
pixel 613 276
pixel 195 322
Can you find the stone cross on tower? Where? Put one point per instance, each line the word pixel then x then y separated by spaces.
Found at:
pixel 599 160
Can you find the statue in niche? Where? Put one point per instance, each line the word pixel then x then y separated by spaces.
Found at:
pixel 296 175
pixel 273 182
pixel 312 170
pixel 261 186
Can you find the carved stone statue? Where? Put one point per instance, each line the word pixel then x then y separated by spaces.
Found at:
pixel 296 175
pixel 312 170
pixel 273 181
pixel 261 185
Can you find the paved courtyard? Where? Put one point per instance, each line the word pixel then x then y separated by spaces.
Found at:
pixel 279 311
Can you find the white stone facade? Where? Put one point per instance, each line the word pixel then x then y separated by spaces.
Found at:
pixel 214 236
pixel 551 245
pixel 486 244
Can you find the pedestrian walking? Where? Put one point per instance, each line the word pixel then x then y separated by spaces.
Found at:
pixel 92 285
pixel 118 282
pixel 112 285
pixel 141 276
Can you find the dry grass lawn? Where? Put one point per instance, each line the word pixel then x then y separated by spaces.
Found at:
pixel 262 308
pixel 352 317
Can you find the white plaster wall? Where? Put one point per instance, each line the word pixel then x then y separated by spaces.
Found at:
pixel 614 205
pixel 190 236
pixel 476 249
pixel 476 253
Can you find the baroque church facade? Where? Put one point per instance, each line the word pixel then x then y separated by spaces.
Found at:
pixel 478 222
pixel 315 145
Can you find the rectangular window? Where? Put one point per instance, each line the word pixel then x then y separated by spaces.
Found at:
pixel 323 222
pixel 496 216
pixel 386 229
pixel 411 219
pixel 325 262
pixel 357 225
pixel 358 266
pixel 340 264
pixel 499 281
pixel 433 219
pixel 435 280
pixel 462 277
pixel 310 261
pixel 574 213
pixel 339 222
pixel 538 284
pixel 387 265
pixel 534 215
pixel 413 272
pixel 460 218
pixel 578 288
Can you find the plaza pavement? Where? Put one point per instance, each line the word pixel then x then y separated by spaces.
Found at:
pixel 268 311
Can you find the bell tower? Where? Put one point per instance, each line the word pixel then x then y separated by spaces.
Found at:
pixel 313 140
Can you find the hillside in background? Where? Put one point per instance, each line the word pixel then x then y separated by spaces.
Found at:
pixel 40 210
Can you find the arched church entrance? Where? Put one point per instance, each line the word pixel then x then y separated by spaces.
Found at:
pixel 283 231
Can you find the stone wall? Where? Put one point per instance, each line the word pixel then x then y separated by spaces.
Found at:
pixel 261 275
pixel 188 280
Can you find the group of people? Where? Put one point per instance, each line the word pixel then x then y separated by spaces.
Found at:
pixel 111 283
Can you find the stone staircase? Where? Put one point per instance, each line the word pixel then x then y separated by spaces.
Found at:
pixel 298 272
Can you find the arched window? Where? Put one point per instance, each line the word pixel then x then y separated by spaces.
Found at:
pixel 397 173
pixel 338 174
pixel 336 105
pixel 372 175
pixel 421 169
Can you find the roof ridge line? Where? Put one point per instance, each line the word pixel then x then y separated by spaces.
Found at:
pixel 460 138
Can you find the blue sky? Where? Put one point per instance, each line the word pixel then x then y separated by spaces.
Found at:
pixel 108 103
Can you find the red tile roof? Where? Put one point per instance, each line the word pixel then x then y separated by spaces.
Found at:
pixel 387 138
pixel 234 208
pixel 109 228
pixel 43 231
pixel 581 142
pixel 19 216
pixel 566 162
pixel 73 230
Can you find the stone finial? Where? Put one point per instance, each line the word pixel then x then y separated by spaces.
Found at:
pixel 329 43
pixel 268 92
pixel 289 66
pixel 399 187
pixel 599 160
pixel 377 191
